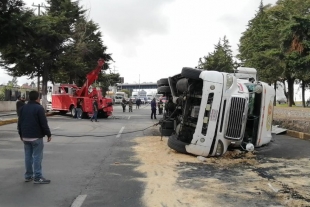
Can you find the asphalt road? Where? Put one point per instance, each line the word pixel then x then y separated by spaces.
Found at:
pixel 91 164
pixel 82 160
pixel 7 115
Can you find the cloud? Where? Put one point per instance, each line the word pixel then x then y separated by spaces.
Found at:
pixel 130 20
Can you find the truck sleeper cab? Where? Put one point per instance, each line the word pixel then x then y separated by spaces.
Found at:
pixel 215 111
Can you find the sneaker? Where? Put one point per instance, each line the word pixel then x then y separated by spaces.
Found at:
pixel 29 179
pixel 91 120
pixel 41 181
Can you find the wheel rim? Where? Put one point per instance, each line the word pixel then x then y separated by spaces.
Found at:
pixel 73 112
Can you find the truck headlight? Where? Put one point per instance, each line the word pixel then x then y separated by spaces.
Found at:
pixel 229 81
pixel 219 148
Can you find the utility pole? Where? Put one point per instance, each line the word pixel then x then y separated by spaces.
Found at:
pixel 39 13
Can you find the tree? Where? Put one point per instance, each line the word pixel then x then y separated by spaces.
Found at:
pixel 81 53
pixel 266 44
pixel 221 59
pixel 126 91
pixel 296 47
pixel 13 15
pixel 106 80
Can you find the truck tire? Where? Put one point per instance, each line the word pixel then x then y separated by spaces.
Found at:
pixel 85 115
pixel 177 145
pixel 163 89
pixel 105 115
pixel 73 111
pixel 166 132
pixel 167 124
pixel 163 82
pixel 182 85
pixel 191 73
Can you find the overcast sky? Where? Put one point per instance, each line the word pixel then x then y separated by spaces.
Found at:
pixel 154 39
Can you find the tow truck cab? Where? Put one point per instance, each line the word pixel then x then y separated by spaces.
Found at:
pixel 216 110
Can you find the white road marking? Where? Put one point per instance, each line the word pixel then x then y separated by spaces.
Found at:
pixel 128 117
pixel 56 127
pixel 79 201
pixel 120 132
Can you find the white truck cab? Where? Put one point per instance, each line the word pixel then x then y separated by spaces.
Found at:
pixel 215 111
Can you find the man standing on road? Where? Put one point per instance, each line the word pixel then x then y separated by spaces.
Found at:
pixel 79 109
pixel 138 102
pixel 32 127
pixel 130 103
pixel 20 102
pixel 95 109
pixel 153 108
pixel 124 102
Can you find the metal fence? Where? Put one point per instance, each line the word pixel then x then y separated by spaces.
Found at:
pixel 12 94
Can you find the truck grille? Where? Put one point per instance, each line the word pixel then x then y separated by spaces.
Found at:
pixel 235 119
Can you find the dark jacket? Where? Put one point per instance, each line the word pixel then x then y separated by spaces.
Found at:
pixel 95 106
pixel 153 104
pixel 32 122
pixel 19 104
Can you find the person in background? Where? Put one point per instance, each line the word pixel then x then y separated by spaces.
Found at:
pixel 95 110
pixel 19 103
pixel 32 127
pixel 153 108
pixel 138 102
pixel 124 102
pixel 79 109
pixel 130 103
pixel 160 107
pixel 169 106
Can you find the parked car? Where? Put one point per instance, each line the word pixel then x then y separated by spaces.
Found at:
pixel 149 100
pixel 142 100
pixel 282 101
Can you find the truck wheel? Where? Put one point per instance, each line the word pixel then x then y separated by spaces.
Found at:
pixel 163 82
pixel 105 115
pixel 85 115
pixel 177 145
pixel 182 85
pixel 163 89
pixel 191 73
pixel 166 132
pixel 73 112
pixel 167 124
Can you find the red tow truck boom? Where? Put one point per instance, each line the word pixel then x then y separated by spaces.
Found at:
pixel 66 96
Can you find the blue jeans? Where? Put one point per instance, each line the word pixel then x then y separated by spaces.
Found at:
pixel 33 158
pixel 94 116
pixel 78 113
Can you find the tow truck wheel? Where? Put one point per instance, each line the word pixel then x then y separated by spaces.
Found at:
pixel 191 73
pixel 177 145
pixel 163 89
pixel 163 82
pixel 165 132
pixel 73 112
pixel 105 115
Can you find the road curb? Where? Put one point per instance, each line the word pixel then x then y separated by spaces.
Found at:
pixel 14 120
pixel 300 135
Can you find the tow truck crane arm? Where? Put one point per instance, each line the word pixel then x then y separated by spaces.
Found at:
pixel 90 78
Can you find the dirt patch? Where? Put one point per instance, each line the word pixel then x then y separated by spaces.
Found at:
pixel 237 179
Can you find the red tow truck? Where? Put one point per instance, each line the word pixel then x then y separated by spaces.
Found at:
pixel 66 96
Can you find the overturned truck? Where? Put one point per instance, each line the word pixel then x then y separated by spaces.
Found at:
pixel 210 112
